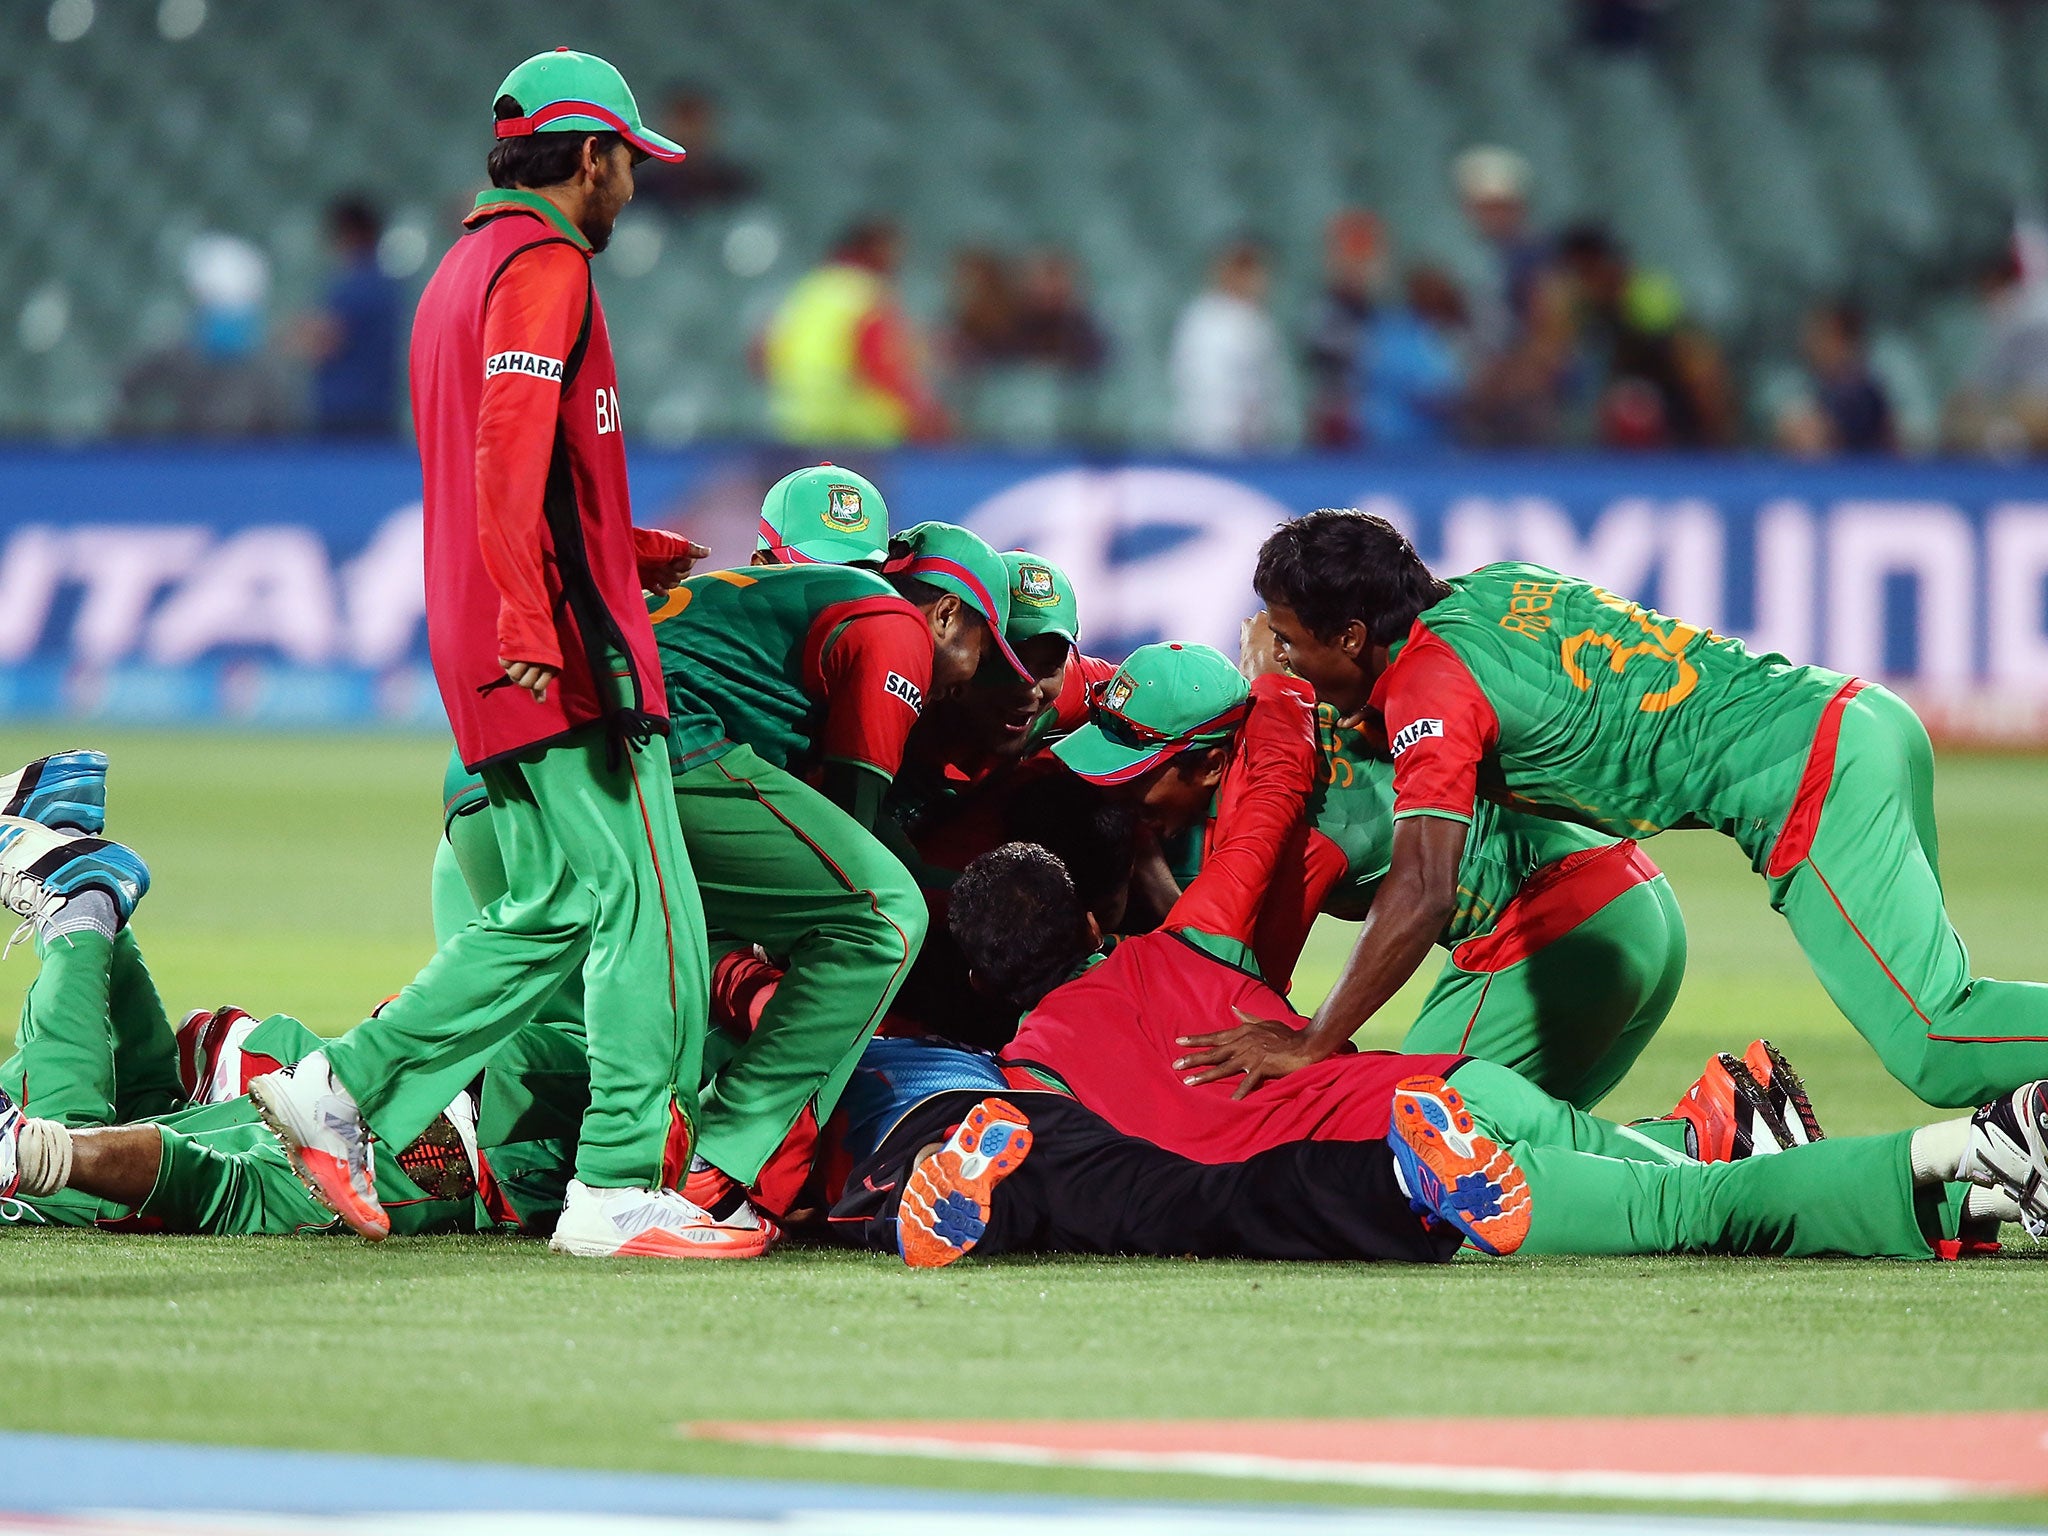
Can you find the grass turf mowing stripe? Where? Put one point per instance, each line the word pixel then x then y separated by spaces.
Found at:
pixel 1807 1460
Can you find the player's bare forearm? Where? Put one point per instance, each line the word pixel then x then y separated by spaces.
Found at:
pixel 1414 902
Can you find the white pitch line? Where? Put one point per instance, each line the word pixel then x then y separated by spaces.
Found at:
pixel 1676 1487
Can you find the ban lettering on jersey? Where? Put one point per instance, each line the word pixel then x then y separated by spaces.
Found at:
pixel 1412 732
pixel 531 364
pixel 897 686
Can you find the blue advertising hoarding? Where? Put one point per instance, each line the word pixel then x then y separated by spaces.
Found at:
pixel 282 585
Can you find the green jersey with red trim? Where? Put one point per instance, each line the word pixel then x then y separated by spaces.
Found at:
pixel 806 664
pixel 1548 694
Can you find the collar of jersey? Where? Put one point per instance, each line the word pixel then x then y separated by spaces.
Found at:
pixel 1377 698
pixel 496 200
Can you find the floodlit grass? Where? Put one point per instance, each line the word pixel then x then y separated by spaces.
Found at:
pixel 291 875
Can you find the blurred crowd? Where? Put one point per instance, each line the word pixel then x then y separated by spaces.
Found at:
pixel 1565 340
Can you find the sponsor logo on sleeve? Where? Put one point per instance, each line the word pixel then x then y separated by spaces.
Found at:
pixel 1413 732
pixel 532 364
pixel 897 686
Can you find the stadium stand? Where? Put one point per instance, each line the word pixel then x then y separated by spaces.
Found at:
pixel 1763 153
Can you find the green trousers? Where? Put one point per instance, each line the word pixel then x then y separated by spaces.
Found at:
pixel 1600 1188
pixel 783 867
pixel 1866 906
pixel 597 884
pixel 1573 1017
pixel 94 1046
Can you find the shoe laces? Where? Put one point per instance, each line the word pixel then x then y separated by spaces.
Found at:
pixel 19 889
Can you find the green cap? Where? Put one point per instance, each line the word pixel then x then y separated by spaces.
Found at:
pixel 1163 700
pixel 954 560
pixel 824 515
pixel 1042 600
pixel 570 92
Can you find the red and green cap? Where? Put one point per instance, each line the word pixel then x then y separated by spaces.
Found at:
pixel 570 92
pixel 950 558
pixel 1165 699
pixel 1042 600
pixel 824 515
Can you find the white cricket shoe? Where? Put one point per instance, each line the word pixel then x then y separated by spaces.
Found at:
pixel 2008 1150
pixel 325 1138
pixel 652 1224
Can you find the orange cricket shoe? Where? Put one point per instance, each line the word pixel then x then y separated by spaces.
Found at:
pixel 945 1206
pixel 1452 1172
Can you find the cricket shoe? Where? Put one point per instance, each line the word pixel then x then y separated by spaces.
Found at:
pixel 651 1224
pixel 67 790
pixel 2008 1150
pixel 714 1190
pixel 1450 1171
pixel 945 1206
pixel 212 1066
pixel 11 1119
pixel 325 1138
pixel 1728 1115
pixel 41 870
pixel 1787 1091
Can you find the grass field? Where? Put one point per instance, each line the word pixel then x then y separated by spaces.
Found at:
pixel 291 875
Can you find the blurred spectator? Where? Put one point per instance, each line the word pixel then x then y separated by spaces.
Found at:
pixel 1412 370
pixel 2001 407
pixel 982 328
pixel 1844 408
pixel 1656 380
pixel 218 382
pixel 1228 365
pixel 1521 325
pixel 1351 262
pixel 1619 25
pixel 1053 321
pixel 843 363
pixel 708 176
pixel 353 339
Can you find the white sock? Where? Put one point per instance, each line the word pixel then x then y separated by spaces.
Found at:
pixel 87 912
pixel 44 1157
pixel 1982 1204
pixel 1938 1151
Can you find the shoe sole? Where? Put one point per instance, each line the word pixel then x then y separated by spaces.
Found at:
pixel 1781 1079
pixel 944 1209
pixel 658 1243
pixel 1451 1167
pixel 313 1175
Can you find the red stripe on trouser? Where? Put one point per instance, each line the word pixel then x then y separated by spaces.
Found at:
pixel 679 1123
pixel 1892 977
pixel 1473 1022
pixel 1802 821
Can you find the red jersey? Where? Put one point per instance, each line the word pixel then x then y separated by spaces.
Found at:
pixel 531 553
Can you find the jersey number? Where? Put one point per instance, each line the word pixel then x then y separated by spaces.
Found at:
pixel 1664 645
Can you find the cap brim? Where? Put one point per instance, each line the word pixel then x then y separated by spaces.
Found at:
pixel 1016 638
pixel 1009 655
pixel 648 142
pixel 819 550
pixel 1091 754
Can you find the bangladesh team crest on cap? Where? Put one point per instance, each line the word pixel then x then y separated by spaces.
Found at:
pixel 1034 585
pixel 843 509
pixel 1119 692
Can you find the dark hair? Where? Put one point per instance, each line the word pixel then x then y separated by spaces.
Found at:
pixel 539 159
pixel 866 239
pixel 1588 242
pixel 354 218
pixel 1018 920
pixel 1080 825
pixel 1336 565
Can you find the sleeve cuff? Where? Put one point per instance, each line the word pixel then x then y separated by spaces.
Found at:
pixel 1443 812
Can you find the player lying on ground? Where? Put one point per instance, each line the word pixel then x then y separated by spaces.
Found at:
pixel 1544 692
pixel 1566 947
pixel 1106 1026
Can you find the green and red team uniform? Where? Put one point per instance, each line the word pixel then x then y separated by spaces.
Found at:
pixel 95 1049
pixel 1109 1037
pixel 531 556
pixel 1545 693
pixel 1566 949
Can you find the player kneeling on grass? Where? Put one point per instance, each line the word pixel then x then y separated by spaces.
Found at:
pixel 1106 1025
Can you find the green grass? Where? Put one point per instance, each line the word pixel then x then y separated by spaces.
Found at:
pixel 291 875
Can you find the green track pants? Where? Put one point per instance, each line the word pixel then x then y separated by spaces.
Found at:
pixel 1600 1188
pixel 783 867
pixel 1866 906
pixel 597 884
pixel 94 1046
pixel 1573 1017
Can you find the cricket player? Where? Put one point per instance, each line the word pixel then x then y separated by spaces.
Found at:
pixel 1512 1167
pixel 1566 948
pixel 1544 693
pixel 823 515
pixel 548 669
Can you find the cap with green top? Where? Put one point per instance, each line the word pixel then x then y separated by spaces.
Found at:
pixel 569 92
pixel 824 515
pixel 1042 600
pixel 953 560
pixel 1163 700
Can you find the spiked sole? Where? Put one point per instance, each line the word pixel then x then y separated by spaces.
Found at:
pixel 1453 1171
pixel 310 1174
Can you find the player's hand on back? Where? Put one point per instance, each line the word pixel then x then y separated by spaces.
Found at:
pixel 1261 1049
